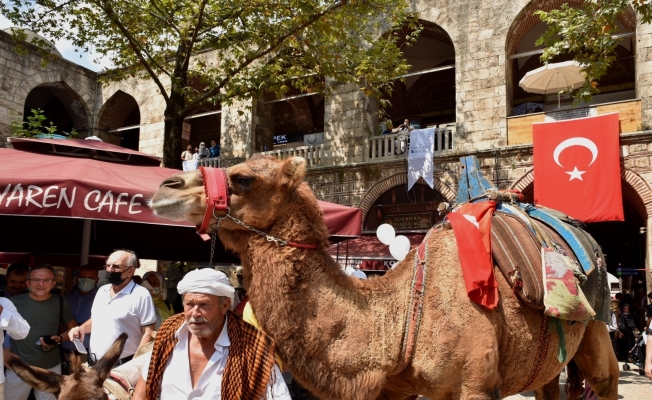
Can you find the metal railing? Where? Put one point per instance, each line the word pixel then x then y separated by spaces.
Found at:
pixel 396 145
pixel 312 154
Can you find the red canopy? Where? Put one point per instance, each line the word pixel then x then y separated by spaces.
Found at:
pixel 94 149
pixel 113 195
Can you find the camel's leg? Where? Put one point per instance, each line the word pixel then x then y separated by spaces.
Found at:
pixel 549 391
pixel 597 362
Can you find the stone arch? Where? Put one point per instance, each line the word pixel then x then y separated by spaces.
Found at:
pixel 635 184
pixel 525 21
pixel 119 111
pixel 383 185
pixel 430 97
pixel 62 106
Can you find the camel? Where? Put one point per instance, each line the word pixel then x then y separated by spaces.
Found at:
pixel 342 338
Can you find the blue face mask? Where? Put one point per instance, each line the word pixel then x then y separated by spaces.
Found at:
pixel 85 284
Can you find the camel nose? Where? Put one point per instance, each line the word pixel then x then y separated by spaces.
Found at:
pixel 174 182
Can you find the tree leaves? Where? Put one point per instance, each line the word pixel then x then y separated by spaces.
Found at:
pixel 206 51
pixel 587 33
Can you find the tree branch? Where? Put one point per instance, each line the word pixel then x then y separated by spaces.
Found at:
pixel 247 62
pixel 134 45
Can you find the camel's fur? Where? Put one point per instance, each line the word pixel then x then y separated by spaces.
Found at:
pixel 81 385
pixel 341 337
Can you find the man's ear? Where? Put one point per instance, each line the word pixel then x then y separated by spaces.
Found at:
pixel 293 170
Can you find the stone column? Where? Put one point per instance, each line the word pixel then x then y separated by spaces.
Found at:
pixel 644 70
pixel 350 118
pixel 237 130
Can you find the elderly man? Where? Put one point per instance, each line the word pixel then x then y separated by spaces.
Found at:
pixel 208 352
pixel 119 307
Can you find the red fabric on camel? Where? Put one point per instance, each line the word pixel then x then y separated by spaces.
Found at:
pixel 577 167
pixel 474 248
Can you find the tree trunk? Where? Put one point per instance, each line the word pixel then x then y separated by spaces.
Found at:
pixel 172 144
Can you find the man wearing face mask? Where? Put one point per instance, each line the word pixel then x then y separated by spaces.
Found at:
pixel 81 300
pixel 119 307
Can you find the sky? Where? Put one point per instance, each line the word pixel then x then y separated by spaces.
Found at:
pixel 67 50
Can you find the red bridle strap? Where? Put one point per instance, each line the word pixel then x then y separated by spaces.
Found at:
pixel 217 196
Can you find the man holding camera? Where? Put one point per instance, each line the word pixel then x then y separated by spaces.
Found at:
pixel 45 314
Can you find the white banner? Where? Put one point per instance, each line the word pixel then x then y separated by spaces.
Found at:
pixel 190 165
pixel 422 145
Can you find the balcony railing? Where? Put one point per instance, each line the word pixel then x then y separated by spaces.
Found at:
pixel 312 154
pixel 213 162
pixel 396 145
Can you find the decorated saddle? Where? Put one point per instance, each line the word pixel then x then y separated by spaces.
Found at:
pixel 579 282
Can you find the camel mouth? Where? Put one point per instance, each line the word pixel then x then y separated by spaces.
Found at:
pixel 175 209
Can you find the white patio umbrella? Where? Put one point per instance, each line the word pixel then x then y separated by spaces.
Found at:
pixel 551 78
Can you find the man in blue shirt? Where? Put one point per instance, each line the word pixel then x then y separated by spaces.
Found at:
pixel 214 149
pixel 81 300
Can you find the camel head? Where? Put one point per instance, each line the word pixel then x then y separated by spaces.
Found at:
pixel 81 385
pixel 262 191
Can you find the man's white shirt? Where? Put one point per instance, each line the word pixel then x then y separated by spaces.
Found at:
pixel 176 383
pixel 13 324
pixel 127 312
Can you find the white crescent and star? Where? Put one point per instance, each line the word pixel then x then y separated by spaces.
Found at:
pixel 576 141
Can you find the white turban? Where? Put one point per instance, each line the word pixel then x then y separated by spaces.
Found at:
pixel 207 281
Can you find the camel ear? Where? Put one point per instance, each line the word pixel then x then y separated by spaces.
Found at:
pixel 294 169
pixel 38 378
pixel 106 363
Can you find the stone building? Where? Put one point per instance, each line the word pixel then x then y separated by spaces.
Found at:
pixel 466 67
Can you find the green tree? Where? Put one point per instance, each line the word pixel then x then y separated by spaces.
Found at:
pixel 36 124
pixel 200 52
pixel 588 33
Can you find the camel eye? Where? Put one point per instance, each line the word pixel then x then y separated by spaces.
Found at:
pixel 243 182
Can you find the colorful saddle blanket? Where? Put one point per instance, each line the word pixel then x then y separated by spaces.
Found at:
pixel 516 249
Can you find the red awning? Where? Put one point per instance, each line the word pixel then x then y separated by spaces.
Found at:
pixel 94 149
pixel 342 221
pixel 114 196
pixel 367 253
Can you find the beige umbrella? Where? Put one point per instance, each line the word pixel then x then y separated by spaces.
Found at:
pixel 551 78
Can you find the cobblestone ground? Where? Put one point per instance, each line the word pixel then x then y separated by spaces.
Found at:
pixel 631 386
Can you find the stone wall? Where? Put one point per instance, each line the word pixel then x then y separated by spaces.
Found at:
pixel 20 74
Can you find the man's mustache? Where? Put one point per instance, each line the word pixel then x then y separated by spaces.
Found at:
pixel 199 320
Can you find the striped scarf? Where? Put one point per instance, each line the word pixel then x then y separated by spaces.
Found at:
pixel 248 368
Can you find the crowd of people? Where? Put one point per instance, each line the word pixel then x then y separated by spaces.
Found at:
pixel 200 152
pixel 40 326
pixel 191 353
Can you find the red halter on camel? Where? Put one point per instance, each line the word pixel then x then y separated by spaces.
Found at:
pixel 217 199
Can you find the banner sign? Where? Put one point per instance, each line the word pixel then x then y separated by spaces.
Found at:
pixel 189 165
pixel 70 200
pixel 414 220
pixel 185 131
pixel 422 145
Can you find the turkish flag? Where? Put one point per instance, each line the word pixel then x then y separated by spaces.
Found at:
pixel 577 167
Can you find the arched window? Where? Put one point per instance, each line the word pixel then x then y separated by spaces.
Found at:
pixel 61 105
pixel 119 121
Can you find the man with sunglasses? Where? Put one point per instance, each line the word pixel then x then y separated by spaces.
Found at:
pixel 119 307
pixel 45 314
